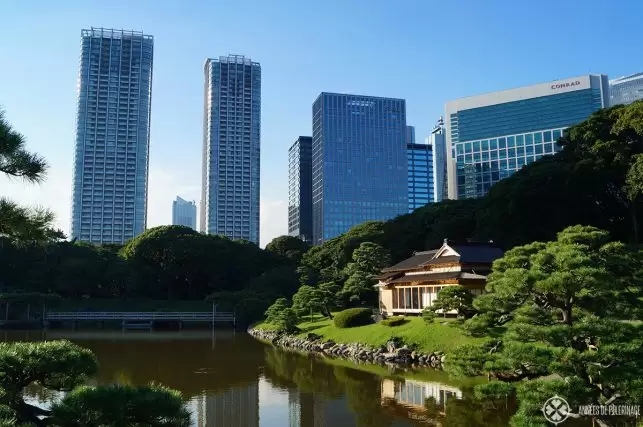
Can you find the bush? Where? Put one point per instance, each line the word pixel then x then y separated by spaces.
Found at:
pixel 274 311
pixel 287 321
pixel 394 321
pixel 353 317
pixel 428 315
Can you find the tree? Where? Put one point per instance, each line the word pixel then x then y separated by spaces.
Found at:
pixel 560 304
pixel 63 366
pixel 273 312
pixel 306 300
pixel 287 320
pixel 17 223
pixel 368 260
pixel 456 298
pixel 154 406
pixel 288 247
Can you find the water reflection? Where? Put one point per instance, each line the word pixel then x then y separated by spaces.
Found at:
pixel 232 380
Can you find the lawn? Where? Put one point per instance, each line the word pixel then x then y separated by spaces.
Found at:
pixel 427 337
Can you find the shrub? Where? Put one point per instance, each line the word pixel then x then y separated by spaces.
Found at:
pixel 353 317
pixel 274 311
pixel 394 321
pixel 287 320
pixel 428 315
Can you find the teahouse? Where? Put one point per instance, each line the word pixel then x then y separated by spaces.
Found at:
pixel 413 284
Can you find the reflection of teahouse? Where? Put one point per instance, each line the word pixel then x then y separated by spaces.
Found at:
pixel 410 396
pixel 413 284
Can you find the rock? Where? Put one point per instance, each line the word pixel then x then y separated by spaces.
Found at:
pixel 391 346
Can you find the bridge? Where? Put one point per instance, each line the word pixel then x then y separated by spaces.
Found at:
pixel 141 319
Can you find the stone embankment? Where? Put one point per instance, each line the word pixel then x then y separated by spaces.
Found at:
pixel 390 354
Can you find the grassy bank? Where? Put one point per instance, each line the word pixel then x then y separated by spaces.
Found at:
pixel 427 337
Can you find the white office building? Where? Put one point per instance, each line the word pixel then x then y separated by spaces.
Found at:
pixel 626 90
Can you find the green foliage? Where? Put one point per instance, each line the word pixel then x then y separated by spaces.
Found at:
pixel 287 320
pixel 394 321
pixel 352 317
pixel 288 247
pixel 306 300
pixel 153 406
pixel 23 225
pixel 494 390
pixel 428 315
pixel 454 298
pixel 368 260
pixel 559 306
pixel 274 311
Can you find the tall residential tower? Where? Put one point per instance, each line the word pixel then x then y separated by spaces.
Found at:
pixel 184 213
pixel 491 136
pixel 359 162
pixel 300 189
pixel 231 148
pixel 109 202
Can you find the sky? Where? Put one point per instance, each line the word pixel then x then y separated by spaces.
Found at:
pixel 425 51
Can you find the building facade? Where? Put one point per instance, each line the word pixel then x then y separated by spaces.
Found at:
pixel 111 157
pixel 300 189
pixel 626 90
pixel 359 162
pixel 438 141
pixel 231 148
pixel 491 136
pixel 184 213
pixel 412 285
pixel 420 174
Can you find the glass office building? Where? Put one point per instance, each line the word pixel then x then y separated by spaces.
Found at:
pixel 438 141
pixel 231 148
pixel 626 90
pixel 300 189
pixel 359 162
pixel 111 157
pixel 491 136
pixel 184 213
pixel 420 174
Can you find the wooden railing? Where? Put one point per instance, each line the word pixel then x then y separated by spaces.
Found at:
pixel 221 316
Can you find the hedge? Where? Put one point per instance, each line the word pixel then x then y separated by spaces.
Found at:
pixel 353 317
pixel 394 321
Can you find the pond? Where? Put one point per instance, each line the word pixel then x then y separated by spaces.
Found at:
pixel 232 380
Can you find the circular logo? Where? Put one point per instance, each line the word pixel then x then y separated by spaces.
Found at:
pixel 556 409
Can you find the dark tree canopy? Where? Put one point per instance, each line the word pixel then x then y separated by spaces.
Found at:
pixel 288 247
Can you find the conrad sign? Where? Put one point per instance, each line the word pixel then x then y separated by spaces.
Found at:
pixel 565 85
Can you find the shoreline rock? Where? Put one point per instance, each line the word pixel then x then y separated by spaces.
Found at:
pixel 389 354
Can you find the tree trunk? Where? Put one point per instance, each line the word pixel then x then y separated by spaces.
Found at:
pixel 567 314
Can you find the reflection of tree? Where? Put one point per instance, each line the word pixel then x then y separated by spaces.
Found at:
pixel 363 392
pixel 470 412
pixel 287 370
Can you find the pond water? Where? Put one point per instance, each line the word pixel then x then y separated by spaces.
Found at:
pixel 232 380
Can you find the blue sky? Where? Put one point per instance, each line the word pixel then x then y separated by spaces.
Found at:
pixel 426 52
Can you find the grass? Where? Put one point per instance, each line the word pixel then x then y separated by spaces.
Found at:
pixel 100 304
pixel 427 337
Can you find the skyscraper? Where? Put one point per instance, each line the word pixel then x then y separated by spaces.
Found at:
pixel 491 136
pixel 184 213
pixel 626 90
pixel 420 174
pixel 359 162
pixel 231 148
pixel 437 140
pixel 109 201
pixel 300 189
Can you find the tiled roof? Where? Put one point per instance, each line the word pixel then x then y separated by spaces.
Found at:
pixel 415 261
pixel 483 253
pixel 386 276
